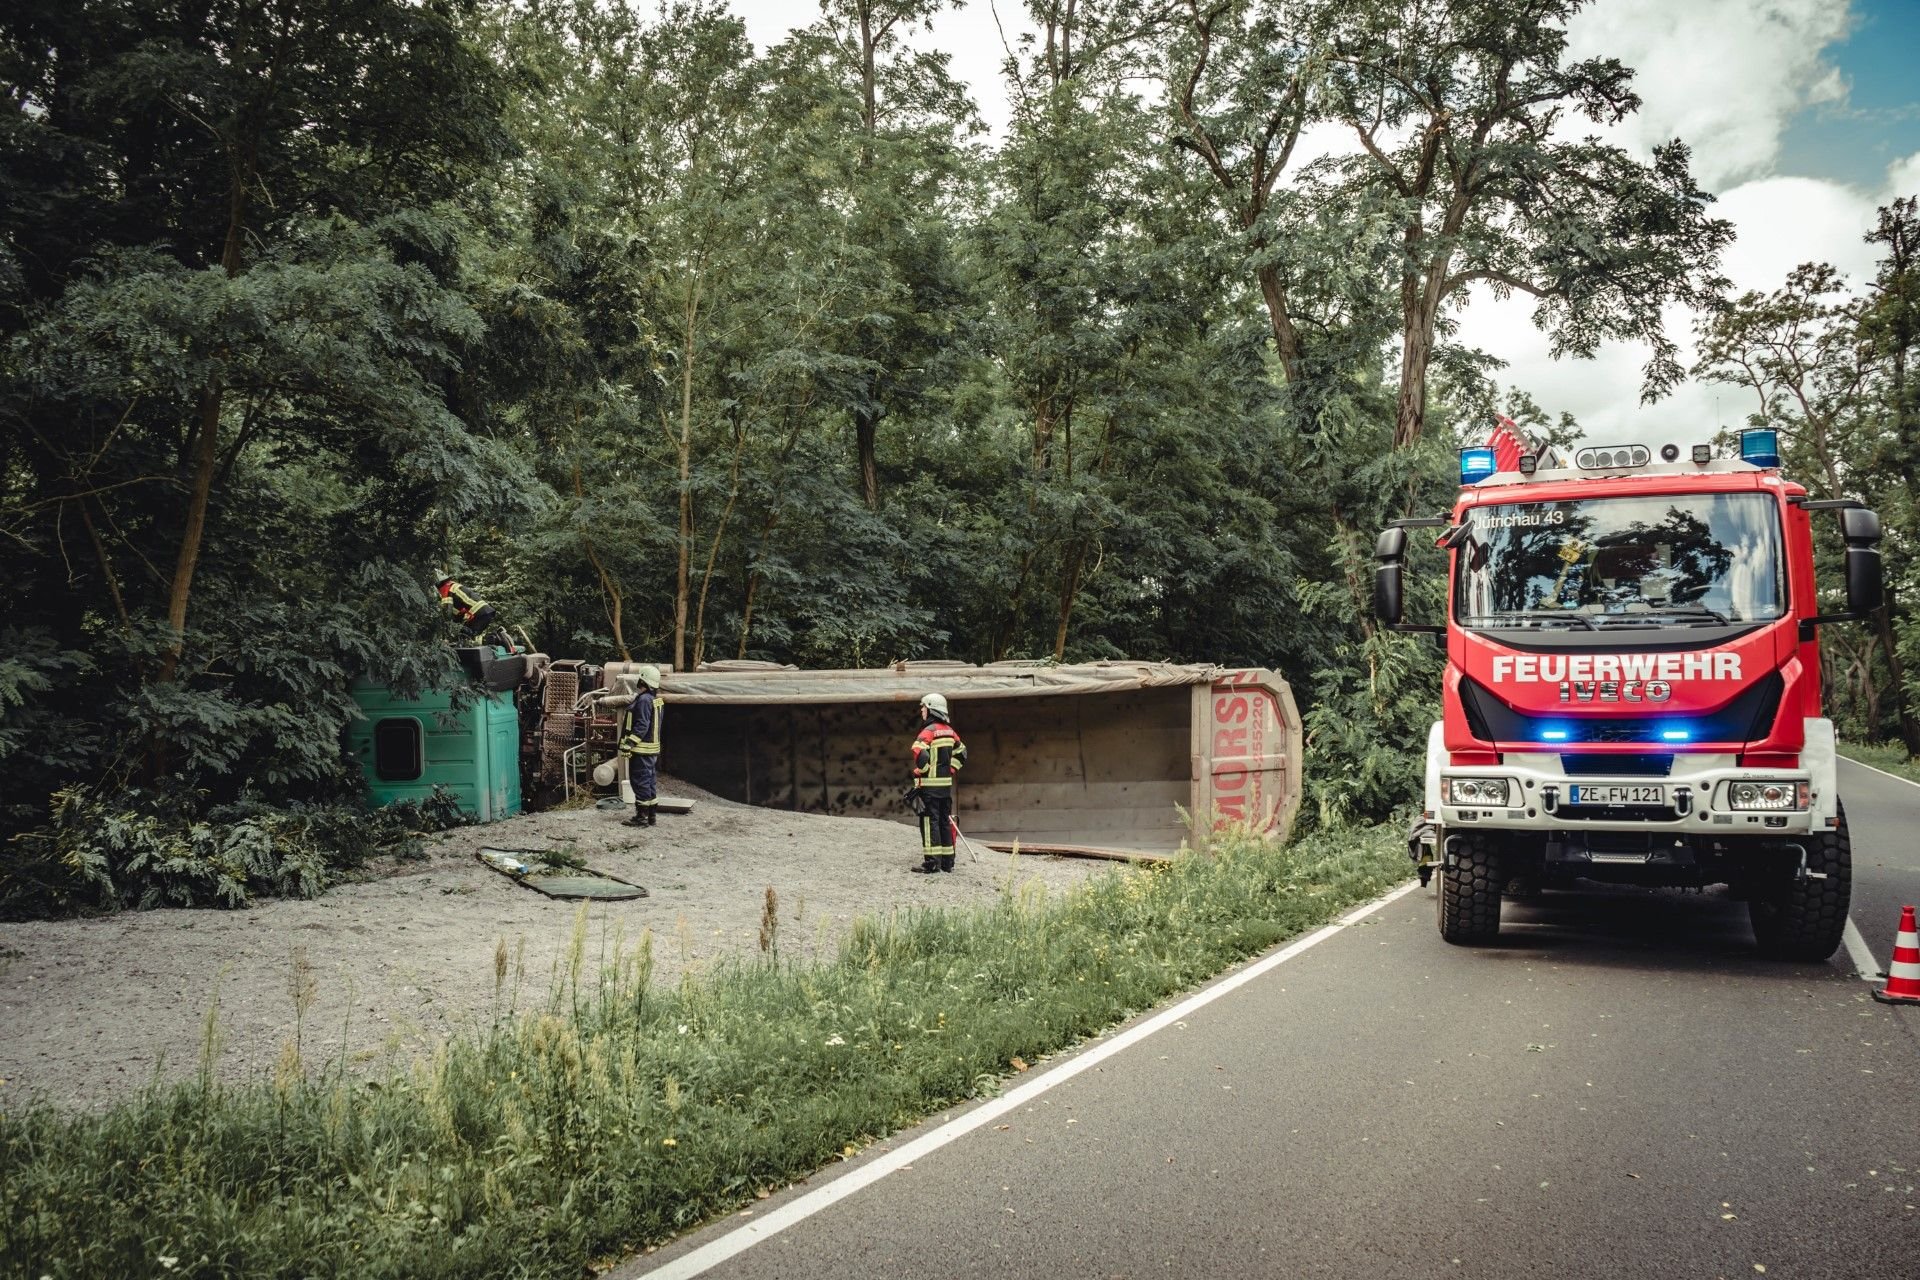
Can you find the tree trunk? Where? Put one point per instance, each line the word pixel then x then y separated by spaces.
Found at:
pixel 683 449
pixel 1286 338
pixel 866 431
pixel 204 451
pixel 1410 410
pixel 713 550
pixel 1069 591
pixel 609 589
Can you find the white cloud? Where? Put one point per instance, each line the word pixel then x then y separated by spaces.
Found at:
pixel 1782 222
pixel 1725 75
pixel 1728 76
pixel 1903 176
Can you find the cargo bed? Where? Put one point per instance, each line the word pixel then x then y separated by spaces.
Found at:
pixel 1104 755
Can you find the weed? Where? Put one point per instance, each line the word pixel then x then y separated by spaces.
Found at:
pixel 619 1114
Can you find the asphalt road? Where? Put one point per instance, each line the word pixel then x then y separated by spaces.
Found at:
pixel 1620 1089
pixel 1883 814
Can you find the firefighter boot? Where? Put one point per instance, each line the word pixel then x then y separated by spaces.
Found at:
pixel 928 865
pixel 946 862
pixel 653 816
pixel 639 818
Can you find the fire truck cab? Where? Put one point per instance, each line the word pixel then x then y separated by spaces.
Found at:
pixel 1632 686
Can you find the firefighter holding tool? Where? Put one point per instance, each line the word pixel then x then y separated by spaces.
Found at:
pixel 640 745
pixel 938 755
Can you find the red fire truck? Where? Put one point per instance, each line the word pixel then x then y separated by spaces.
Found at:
pixel 1632 688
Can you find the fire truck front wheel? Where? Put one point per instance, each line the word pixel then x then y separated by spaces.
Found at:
pixel 1800 915
pixel 1470 883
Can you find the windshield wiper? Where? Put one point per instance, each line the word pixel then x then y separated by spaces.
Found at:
pixel 1692 615
pixel 1523 616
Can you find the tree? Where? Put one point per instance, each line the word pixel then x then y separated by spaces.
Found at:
pixel 1462 113
pixel 1240 79
pixel 233 344
pixel 1799 352
pixel 895 165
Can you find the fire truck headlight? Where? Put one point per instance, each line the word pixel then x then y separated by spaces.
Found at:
pixel 1768 796
pixel 1487 791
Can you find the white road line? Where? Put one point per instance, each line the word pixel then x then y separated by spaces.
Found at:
pixel 1859 952
pixel 1882 772
pixel 1857 948
pixel 799 1209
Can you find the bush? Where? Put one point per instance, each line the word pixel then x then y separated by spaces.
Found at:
pixel 149 849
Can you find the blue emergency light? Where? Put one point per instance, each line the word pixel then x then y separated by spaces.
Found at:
pixel 1761 448
pixel 1476 465
pixel 1553 735
pixel 1675 735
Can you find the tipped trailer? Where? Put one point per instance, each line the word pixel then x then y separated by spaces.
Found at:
pixel 1103 758
pixel 1632 686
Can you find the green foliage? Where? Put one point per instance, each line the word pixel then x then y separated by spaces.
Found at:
pixel 622 1113
pixel 1831 372
pixel 681 350
pixel 141 849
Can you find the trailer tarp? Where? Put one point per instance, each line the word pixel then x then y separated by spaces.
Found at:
pixel 729 683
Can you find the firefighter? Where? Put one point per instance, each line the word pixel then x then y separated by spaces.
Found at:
pixel 938 755
pixel 640 744
pixel 476 615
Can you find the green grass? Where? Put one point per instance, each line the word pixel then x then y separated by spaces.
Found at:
pixel 619 1115
pixel 1890 756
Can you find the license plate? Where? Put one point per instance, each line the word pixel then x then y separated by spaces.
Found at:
pixel 1614 793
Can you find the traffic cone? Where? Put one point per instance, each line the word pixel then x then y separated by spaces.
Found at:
pixel 1903 974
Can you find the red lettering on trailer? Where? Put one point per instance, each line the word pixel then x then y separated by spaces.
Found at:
pixel 1231 710
pixel 1229 742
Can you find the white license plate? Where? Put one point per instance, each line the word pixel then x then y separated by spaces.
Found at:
pixel 1614 793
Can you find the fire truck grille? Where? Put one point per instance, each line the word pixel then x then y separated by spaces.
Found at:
pixel 1747 718
pixel 1616 766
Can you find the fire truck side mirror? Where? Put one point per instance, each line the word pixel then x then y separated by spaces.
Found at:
pixel 1391 552
pixel 1866 587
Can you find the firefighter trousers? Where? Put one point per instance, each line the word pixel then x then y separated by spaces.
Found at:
pixel 936 823
pixel 643 773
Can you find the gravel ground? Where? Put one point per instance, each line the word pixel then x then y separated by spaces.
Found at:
pixel 92 1009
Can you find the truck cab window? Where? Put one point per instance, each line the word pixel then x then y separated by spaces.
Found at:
pixel 1622 562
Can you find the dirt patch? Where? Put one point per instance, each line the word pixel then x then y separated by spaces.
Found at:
pixel 92 1009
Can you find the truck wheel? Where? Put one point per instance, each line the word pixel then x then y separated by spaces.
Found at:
pixel 1803 919
pixel 1470 881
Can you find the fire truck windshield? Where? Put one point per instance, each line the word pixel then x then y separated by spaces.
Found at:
pixel 1604 563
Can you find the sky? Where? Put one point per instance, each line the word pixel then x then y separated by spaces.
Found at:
pixel 1803 117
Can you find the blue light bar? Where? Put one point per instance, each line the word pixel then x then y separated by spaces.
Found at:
pixel 1761 448
pixel 1554 735
pixel 1476 465
pixel 1675 735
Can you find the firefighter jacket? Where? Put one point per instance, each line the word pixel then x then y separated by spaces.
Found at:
pixel 938 754
pixel 465 606
pixel 640 725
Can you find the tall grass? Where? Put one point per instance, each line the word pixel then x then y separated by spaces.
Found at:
pixel 618 1114
pixel 1891 757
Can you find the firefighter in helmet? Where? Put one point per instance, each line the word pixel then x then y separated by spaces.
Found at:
pixel 640 744
pixel 938 755
pixel 475 614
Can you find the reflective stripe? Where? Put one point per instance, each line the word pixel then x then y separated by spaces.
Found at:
pixel 649 745
pixel 932 782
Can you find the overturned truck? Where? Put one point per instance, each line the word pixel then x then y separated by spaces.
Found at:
pixel 1108 757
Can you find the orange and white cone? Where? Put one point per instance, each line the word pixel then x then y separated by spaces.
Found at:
pixel 1903 974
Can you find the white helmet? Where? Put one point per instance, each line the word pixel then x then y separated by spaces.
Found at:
pixel 650 676
pixel 936 703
